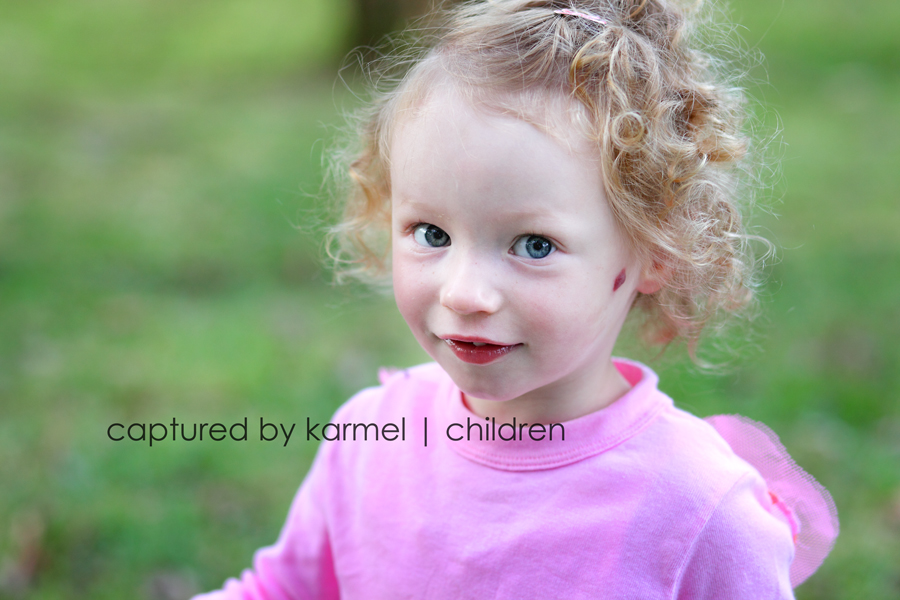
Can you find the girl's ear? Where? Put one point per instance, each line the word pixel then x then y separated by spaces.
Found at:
pixel 652 279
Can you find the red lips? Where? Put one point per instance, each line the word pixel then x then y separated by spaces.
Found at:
pixel 478 352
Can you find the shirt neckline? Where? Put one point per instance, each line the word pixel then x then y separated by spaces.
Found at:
pixel 585 436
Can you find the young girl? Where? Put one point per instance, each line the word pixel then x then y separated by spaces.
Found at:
pixel 543 169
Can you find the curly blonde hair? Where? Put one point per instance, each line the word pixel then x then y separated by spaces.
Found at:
pixel 668 130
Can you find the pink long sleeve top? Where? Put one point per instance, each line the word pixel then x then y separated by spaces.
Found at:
pixel 639 500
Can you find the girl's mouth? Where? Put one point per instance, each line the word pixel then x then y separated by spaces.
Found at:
pixel 478 352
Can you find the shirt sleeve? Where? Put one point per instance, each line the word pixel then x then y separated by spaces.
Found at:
pixel 300 564
pixel 743 552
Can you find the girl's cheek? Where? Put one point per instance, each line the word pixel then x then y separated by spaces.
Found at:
pixel 411 287
pixel 542 309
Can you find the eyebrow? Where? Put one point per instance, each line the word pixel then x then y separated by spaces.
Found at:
pixel 534 221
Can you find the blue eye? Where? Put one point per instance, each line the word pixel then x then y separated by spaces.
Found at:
pixel 533 246
pixel 431 236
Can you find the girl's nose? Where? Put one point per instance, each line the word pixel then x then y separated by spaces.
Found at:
pixel 470 288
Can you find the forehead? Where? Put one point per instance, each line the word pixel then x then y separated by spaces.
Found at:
pixel 456 129
pixel 554 114
pixel 452 157
pixel 448 138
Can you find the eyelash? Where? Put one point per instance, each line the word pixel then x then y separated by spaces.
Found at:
pixel 425 229
pixel 523 239
pixel 421 231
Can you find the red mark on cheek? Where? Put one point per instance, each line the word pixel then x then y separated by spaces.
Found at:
pixel 620 279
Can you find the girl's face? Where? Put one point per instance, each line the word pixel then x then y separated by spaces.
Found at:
pixel 505 260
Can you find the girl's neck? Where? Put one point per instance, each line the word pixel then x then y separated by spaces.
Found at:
pixel 557 403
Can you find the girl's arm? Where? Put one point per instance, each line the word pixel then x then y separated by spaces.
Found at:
pixel 743 552
pixel 299 565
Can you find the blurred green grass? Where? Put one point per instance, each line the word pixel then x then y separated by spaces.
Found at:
pixel 159 257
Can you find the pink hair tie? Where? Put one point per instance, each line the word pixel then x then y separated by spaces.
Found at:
pixel 589 17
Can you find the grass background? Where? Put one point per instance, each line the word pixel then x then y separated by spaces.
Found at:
pixel 159 163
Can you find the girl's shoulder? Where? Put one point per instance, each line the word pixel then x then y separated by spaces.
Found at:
pixel 734 463
pixel 791 493
pixel 695 468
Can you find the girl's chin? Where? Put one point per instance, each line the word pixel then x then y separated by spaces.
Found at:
pixel 483 388
pixel 499 382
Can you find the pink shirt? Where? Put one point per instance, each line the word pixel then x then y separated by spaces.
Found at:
pixel 640 500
